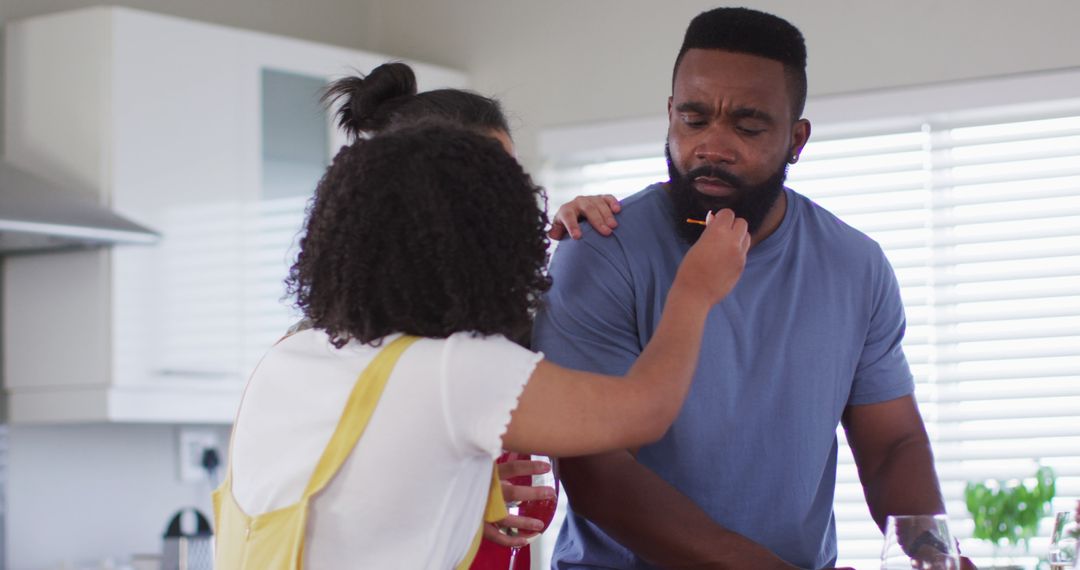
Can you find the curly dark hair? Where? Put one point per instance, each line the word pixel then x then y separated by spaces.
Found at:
pixel 426 230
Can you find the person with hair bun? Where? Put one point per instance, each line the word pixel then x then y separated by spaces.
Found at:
pixel 387 99
pixel 368 440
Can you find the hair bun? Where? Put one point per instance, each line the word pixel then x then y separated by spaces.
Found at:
pixel 362 97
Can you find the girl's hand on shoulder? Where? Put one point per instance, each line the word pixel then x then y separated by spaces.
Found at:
pixel 599 211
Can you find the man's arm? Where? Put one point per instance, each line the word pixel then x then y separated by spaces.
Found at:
pixel 893 455
pixel 895 462
pixel 650 517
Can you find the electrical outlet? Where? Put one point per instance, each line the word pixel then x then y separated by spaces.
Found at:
pixel 193 442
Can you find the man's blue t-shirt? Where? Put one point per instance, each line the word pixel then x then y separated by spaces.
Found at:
pixel 813 325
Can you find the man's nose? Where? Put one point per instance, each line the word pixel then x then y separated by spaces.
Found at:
pixel 716 147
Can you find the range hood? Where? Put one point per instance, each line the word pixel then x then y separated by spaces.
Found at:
pixel 37 216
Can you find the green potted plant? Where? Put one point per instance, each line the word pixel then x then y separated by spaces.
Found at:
pixel 1010 511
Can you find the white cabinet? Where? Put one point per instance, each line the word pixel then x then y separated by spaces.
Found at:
pixel 166 121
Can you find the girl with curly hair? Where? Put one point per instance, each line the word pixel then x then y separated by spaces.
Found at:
pixel 425 247
pixel 386 99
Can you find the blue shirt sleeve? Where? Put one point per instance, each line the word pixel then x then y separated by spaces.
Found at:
pixel 883 373
pixel 588 319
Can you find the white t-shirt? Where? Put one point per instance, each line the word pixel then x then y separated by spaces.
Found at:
pixel 412 493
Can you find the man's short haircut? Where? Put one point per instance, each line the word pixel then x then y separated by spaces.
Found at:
pixel 742 30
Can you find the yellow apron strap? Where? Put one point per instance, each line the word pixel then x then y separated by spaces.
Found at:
pixel 358 410
pixel 496 505
pixel 355 417
pixel 495 510
pixel 473 549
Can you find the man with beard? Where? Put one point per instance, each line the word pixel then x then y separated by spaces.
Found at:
pixel 810 337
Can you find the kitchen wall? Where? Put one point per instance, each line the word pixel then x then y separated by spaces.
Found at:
pixel 81 494
pixel 84 492
pixel 338 22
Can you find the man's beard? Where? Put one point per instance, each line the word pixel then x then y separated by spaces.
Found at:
pixel 749 202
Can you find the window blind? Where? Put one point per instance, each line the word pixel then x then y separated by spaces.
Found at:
pixel 978 210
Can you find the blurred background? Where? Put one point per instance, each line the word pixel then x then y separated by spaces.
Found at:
pixel 187 137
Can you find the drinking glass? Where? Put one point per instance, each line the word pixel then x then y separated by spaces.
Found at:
pixel 543 509
pixel 921 542
pixel 1063 541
